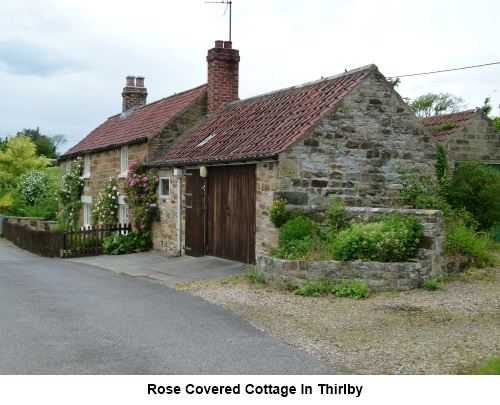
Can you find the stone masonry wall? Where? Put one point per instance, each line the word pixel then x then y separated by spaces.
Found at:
pixel 379 276
pixel 165 138
pixel 165 228
pixel 35 223
pixel 352 154
pixel 478 141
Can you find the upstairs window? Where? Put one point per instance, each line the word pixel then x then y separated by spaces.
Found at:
pixel 164 187
pixel 124 162
pixel 86 166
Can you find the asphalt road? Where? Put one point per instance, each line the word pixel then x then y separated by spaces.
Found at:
pixel 61 317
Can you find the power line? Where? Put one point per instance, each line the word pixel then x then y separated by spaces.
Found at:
pixel 447 70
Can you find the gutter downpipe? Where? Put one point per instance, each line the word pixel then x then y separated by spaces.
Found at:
pixel 179 211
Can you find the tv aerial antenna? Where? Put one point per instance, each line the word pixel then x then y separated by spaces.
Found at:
pixel 228 3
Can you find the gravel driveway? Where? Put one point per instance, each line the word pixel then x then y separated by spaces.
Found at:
pixel 447 331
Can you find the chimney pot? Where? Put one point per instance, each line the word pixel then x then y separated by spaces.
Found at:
pixel 228 45
pixel 218 43
pixel 139 81
pixel 130 81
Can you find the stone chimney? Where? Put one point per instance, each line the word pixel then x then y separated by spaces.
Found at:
pixel 223 74
pixel 134 93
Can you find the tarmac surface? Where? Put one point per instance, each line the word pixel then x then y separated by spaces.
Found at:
pixel 165 268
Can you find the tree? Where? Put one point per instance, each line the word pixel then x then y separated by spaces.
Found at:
pixel 18 158
pixel 435 104
pixel 487 108
pixel 45 145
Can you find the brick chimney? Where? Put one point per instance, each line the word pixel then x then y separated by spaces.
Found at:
pixel 223 74
pixel 134 93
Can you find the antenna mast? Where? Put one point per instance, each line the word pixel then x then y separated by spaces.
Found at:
pixel 227 3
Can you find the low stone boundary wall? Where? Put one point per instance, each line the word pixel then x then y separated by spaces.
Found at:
pixel 379 276
pixel 35 223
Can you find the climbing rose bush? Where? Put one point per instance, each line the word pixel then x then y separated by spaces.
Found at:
pixel 105 210
pixel 70 196
pixel 140 189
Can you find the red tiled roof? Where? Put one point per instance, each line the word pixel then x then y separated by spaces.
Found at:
pixel 139 125
pixel 458 119
pixel 262 126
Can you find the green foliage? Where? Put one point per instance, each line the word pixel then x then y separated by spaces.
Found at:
pixel 117 243
pixel 278 213
pixel 336 215
pixel 394 239
pixel 297 229
pixel 312 289
pixel 19 158
pixel 489 367
pixel 394 81
pixel 254 277
pixel 6 202
pixel 141 195
pixel 476 187
pixel 105 210
pixel 435 104
pixel 442 127
pixel 70 196
pixel 430 284
pixel 357 289
pixel 496 122
pixel 487 107
pixel 463 240
pixel 45 145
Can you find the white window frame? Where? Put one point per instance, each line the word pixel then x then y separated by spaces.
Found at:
pixel 160 188
pixel 86 167
pixel 123 214
pixel 123 162
pixel 87 215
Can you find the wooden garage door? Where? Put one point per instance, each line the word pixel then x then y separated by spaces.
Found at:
pixel 231 213
pixel 194 205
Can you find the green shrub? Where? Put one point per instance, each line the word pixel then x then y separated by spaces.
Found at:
pixel 357 289
pixel 117 243
pixel 462 240
pixel 278 213
pixel 336 215
pixel 297 228
pixel 254 277
pixel 312 289
pixel 394 239
pixel 476 187
pixel 430 284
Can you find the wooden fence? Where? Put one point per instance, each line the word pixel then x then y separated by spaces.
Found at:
pixel 73 243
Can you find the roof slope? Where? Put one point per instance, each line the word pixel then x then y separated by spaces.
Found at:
pixel 139 125
pixel 443 126
pixel 262 126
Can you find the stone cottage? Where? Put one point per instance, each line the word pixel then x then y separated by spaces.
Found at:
pixel 467 136
pixel 140 130
pixel 342 136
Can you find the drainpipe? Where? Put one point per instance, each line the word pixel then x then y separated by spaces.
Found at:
pixel 178 175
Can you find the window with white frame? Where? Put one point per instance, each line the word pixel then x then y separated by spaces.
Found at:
pixel 164 187
pixel 86 166
pixel 87 215
pixel 123 214
pixel 124 161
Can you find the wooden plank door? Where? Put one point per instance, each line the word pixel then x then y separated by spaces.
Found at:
pixel 194 197
pixel 231 212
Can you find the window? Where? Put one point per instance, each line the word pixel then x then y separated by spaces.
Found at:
pixel 164 187
pixel 87 215
pixel 124 162
pixel 86 166
pixel 123 214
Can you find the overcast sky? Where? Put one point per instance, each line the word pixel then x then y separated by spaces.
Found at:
pixel 63 63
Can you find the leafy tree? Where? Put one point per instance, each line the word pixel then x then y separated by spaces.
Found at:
pixel 476 187
pixel 19 158
pixel 3 144
pixel 394 81
pixel 487 108
pixel 45 145
pixel 435 104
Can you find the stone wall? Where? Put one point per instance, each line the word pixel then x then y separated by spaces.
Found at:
pixel 477 141
pixel 379 276
pixel 35 223
pixel 167 135
pixel 165 228
pixel 353 154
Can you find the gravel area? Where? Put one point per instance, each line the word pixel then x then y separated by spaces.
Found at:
pixel 447 331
